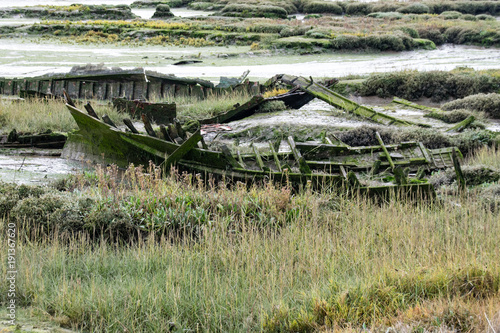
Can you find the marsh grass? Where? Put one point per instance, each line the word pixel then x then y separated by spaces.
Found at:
pixel 36 116
pixel 332 262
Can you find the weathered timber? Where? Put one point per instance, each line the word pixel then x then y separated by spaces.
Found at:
pixel 258 158
pixel 161 113
pixel 147 126
pixel 386 152
pixel 130 125
pixel 164 132
pixel 239 112
pixel 402 101
pixel 303 167
pixel 458 170
pixel 68 99
pixel 230 158
pixel 108 121
pixel 96 140
pixel 275 157
pixel 293 99
pixel 180 152
pixel 459 127
pixel 91 111
pixel 43 140
pixel 342 102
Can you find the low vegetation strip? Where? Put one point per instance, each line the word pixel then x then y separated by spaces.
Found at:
pixel 266 259
pixel 321 34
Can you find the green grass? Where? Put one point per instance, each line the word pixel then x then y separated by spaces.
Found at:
pixel 36 116
pixel 266 259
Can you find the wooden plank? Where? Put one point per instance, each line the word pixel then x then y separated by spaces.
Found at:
pixel 148 127
pixel 275 156
pixel 240 159
pixel 391 163
pixel 462 125
pixel 91 111
pixel 239 112
pixel 87 90
pixel 303 167
pixel 458 170
pixel 130 125
pixel 229 157
pixel 342 102
pixel 179 153
pixel 258 158
pixel 108 121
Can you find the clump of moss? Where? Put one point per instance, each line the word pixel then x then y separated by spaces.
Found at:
pixel 487 103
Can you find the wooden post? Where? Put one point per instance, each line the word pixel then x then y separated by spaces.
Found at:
pixel 131 126
pixel 147 126
pixel 189 144
pixel 163 131
pixel 458 170
pixel 108 121
pixel 303 167
pixel 389 159
pixel 68 99
pixel 91 111
pixel 230 158
pixel 275 156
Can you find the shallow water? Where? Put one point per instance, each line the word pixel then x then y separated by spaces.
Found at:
pixel 34 169
pixel 22 57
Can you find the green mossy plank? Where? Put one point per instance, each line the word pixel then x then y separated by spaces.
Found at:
pixel 405 102
pixel 342 102
pixel 462 125
pixel 239 112
pixel 303 167
pixel 183 149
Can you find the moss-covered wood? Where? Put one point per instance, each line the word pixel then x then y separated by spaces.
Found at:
pixel 340 101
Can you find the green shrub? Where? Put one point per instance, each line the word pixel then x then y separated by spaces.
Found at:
pixel 436 85
pixel 473 175
pixel 487 103
pixel 432 34
pixel 358 8
pixel 272 106
pixel 410 32
pixel 386 15
pixel 347 42
pixel 485 17
pixel 414 8
pixel 469 17
pixel 162 11
pixel 451 15
pixel 322 7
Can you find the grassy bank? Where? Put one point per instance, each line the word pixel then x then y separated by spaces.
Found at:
pixel 262 258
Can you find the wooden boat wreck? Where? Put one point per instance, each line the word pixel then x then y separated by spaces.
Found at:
pixel 386 167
